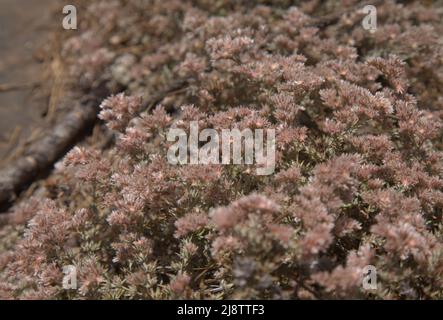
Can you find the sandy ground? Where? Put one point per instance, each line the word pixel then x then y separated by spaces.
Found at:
pixel 25 30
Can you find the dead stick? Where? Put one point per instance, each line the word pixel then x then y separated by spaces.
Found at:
pixel 40 156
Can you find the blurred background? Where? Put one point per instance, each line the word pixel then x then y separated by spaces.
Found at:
pixel 26 71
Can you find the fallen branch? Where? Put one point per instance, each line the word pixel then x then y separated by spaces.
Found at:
pixel 39 158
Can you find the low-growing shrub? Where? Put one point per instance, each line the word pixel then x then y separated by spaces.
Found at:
pixel 358 177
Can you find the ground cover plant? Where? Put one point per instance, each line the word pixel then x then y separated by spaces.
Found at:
pixel 358 176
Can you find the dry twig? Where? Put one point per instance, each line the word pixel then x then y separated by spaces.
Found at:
pixel 39 158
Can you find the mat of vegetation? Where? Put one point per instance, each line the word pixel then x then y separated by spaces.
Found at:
pixel 358 179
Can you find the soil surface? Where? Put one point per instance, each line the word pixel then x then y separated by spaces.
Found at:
pixel 26 28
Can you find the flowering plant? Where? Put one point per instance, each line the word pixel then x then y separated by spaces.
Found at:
pixel 358 174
